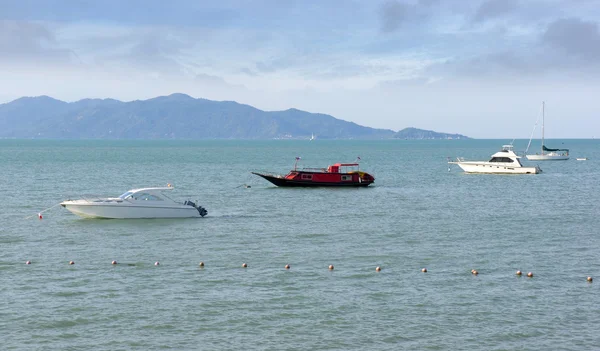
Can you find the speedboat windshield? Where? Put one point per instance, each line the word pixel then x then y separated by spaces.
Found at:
pixel 125 195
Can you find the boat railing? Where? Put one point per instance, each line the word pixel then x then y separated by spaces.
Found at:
pixel 100 199
pixel 270 174
pixel 314 169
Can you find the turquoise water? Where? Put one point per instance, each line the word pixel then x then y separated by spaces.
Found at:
pixel 418 214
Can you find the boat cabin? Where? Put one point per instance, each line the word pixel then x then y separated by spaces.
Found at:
pixel 506 155
pixel 335 173
pixel 347 167
pixel 502 159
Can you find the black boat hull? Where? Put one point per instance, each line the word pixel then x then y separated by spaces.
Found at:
pixel 279 181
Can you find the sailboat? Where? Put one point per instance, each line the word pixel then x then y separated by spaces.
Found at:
pixel 312 136
pixel 546 154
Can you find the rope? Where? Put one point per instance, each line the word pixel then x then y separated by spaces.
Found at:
pixel 49 208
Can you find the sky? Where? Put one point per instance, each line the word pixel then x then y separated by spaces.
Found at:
pixel 480 67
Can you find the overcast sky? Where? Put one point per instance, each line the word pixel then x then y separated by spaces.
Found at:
pixel 479 67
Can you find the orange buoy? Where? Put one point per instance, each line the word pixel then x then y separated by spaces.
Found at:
pixel 244 265
pixel 519 273
pixel 71 262
pixel 287 266
pixel 590 279
pixel 330 267
pixel 424 270
pixel 29 262
pixel 378 269
pixel 113 262
pixel 474 272
pixel 157 263
pixel 201 264
pixel 530 275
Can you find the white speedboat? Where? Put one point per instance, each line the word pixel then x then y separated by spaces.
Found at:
pixel 136 203
pixel 545 153
pixel 504 161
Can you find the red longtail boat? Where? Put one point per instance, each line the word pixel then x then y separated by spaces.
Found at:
pixel 338 174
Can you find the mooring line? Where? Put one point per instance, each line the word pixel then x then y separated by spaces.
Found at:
pixel 39 213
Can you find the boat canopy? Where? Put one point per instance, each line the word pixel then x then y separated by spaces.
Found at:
pixel 335 168
pixel 546 149
pixel 346 164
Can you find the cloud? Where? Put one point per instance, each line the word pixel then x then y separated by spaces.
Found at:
pixel 499 65
pixel 31 42
pixel 216 81
pixel 134 12
pixel 157 52
pixel 574 37
pixel 494 8
pixel 565 47
pixel 395 14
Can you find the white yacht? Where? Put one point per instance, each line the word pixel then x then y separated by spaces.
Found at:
pixel 504 161
pixel 136 203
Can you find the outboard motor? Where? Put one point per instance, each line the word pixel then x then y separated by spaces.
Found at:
pixel 201 210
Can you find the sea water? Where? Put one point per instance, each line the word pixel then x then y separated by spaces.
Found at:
pixel 418 214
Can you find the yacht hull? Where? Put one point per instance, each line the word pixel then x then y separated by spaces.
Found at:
pixel 547 157
pixel 488 168
pixel 125 210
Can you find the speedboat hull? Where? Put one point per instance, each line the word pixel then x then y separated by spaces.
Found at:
pixel 495 168
pixel 125 210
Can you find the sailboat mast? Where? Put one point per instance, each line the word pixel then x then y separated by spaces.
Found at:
pixel 543 105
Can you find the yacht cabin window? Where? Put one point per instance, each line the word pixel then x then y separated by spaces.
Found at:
pixel 147 197
pixel 502 159
pixel 124 196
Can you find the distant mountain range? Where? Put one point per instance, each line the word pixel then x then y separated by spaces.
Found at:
pixel 414 133
pixel 177 116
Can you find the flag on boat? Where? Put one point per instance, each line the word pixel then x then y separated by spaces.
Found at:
pixel 358 158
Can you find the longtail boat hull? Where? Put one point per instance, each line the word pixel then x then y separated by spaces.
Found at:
pixel 321 177
pixel 279 181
